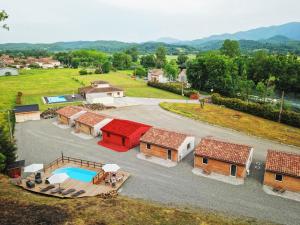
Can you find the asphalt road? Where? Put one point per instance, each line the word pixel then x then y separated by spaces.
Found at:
pixel 41 141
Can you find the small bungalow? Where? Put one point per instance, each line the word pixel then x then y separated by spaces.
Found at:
pixel 157 75
pixel 122 135
pixel 90 123
pixel 223 158
pixel 27 112
pixel 68 114
pixel 282 171
pixel 167 145
pixel 9 71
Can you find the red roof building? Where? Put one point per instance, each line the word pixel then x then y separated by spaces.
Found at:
pixel 122 135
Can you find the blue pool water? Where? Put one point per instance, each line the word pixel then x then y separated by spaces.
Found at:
pixel 56 99
pixel 77 173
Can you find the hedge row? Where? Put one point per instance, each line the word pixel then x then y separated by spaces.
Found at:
pixel 171 88
pixel 262 110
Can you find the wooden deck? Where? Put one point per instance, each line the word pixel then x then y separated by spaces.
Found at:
pixel 93 188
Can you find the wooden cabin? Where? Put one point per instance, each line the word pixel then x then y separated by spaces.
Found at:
pixel 282 171
pixel 225 158
pixel 27 112
pixel 168 145
pixel 68 114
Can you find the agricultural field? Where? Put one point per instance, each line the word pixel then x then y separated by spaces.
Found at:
pixel 221 116
pixel 170 57
pixel 34 84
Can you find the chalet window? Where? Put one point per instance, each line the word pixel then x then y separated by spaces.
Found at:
pixel 123 141
pixel 118 93
pixel 148 146
pixel 204 160
pixel 278 177
pixel 109 94
pixel 108 134
pixel 189 146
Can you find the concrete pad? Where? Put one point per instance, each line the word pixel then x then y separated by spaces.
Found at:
pixel 156 160
pixel 219 177
pixel 62 126
pixel 287 194
pixel 82 135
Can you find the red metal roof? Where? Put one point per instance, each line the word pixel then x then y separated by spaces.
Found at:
pixel 123 127
pixel 223 151
pixel 283 162
pixel 164 138
pixel 90 118
pixel 69 111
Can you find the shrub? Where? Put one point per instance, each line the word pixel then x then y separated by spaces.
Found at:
pixel 98 71
pixel 140 72
pixel 262 110
pixel 172 88
pixel 83 72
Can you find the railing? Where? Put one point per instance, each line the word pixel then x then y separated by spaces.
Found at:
pixel 97 177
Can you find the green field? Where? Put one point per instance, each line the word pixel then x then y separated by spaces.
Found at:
pixel 34 84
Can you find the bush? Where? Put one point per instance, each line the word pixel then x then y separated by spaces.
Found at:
pixel 262 110
pixel 83 72
pixel 106 67
pixel 140 72
pixel 172 88
pixel 98 71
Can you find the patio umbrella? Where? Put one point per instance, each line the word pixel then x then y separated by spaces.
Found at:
pixel 33 168
pixel 111 168
pixel 58 178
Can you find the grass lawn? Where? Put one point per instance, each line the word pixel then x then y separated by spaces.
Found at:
pixel 238 121
pixel 18 206
pixel 39 82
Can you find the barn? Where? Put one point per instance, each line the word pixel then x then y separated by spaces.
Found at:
pixel 122 135
pixel 90 123
pixel 27 112
pixel 282 171
pixel 165 144
pixel 216 157
pixel 68 114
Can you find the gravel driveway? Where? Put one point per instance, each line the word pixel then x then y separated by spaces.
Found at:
pixel 41 141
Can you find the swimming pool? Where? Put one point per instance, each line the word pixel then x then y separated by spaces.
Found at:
pixel 77 173
pixel 56 99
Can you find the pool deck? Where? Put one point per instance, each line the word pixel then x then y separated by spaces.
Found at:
pixel 90 189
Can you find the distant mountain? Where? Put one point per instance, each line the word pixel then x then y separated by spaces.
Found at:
pixel 168 40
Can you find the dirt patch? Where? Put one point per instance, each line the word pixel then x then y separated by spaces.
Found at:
pixel 18 213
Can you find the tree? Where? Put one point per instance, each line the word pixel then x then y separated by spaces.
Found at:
pixel 2 162
pixel 181 60
pixel 7 147
pixel 246 88
pixel 106 67
pixel 171 70
pixel 133 52
pixel 148 61
pixel 161 57
pixel 230 48
pixel 140 72
pixel 3 17
pixel 121 60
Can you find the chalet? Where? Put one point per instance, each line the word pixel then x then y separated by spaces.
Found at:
pixel 167 145
pixel 223 158
pixel 282 171
pixel 122 135
pixel 157 75
pixel 27 112
pixel 68 114
pixel 101 92
pixel 90 123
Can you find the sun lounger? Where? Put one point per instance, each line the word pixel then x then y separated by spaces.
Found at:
pixel 45 189
pixel 69 191
pixel 57 190
pixel 76 194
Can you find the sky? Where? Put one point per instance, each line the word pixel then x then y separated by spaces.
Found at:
pixel 41 21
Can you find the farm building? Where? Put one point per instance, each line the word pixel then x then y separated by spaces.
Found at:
pixel 101 92
pixel 157 75
pixel 90 123
pixel 8 71
pixel 164 144
pixel 282 171
pixel 122 135
pixel 68 114
pixel 223 158
pixel 27 112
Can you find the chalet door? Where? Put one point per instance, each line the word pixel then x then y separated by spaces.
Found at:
pixel 233 170
pixel 123 141
pixel 169 154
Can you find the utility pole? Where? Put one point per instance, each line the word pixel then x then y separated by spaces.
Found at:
pixel 281 106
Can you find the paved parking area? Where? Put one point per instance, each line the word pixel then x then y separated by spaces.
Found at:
pixel 41 141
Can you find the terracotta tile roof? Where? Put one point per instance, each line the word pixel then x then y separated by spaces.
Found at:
pixel 283 162
pixel 123 127
pixel 90 118
pixel 156 72
pixel 223 151
pixel 90 89
pixel 99 82
pixel 69 111
pixel 164 138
